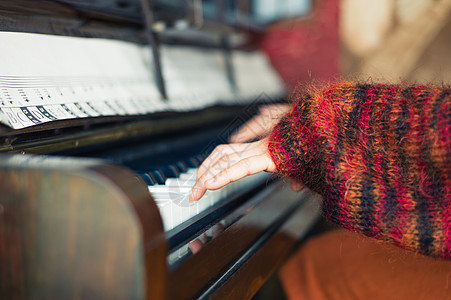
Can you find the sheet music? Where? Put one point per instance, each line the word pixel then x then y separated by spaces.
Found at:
pixel 46 78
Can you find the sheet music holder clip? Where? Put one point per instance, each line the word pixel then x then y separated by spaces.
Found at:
pixel 224 43
pixel 153 42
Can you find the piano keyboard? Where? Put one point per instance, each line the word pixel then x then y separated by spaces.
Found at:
pixel 170 189
pixel 168 164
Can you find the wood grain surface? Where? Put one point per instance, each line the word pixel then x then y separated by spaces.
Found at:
pixel 77 231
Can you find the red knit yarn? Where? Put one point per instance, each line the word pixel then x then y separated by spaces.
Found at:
pixel 380 155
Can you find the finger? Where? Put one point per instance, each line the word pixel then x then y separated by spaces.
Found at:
pixel 260 125
pixel 222 152
pixel 248 166
pixel 253 129
pixel 280 108
pixel 227 161
pixel 197 191
pixel 216 164
pixel 224 149
pixel 296 185
pixel 261 146
pixel 210 165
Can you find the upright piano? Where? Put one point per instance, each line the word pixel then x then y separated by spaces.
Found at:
pixel 107 109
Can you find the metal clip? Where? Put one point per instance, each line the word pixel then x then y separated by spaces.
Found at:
pixel 153 42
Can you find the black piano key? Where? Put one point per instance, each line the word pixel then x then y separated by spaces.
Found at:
pixel 159 176
pixel 152 178
pixel 173 171
pixel 192 162
pixel 147 179
pixel 182 166
pixel 170 171
pixel 201 157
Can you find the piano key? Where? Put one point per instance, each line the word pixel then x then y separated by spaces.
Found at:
pixel 177 214
pixel 170 193
pixel 173 196
pixel 192 162
pixel 152 178
pixel 172 215
pixel 175 169
pixel 191 171
pixel 183 181
pixel 182 166
pixel 170 171
pixel 159 176
pixel 177 198
pixel 188 176
pixel 201 158
pixel 147 179
pixel 166 215
pixel 170 190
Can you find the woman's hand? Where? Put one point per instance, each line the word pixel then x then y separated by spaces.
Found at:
pixel 228 163
pixel 260 125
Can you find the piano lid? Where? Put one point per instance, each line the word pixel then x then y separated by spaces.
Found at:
pixel 121 19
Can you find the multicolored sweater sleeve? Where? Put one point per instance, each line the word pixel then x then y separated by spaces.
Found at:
pixel 380 156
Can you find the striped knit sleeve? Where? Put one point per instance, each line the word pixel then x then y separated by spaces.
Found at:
pixel 379 155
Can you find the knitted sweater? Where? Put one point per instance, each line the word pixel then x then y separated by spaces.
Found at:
pixel 380 157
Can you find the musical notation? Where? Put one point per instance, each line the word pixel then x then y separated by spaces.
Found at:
pixel 83 78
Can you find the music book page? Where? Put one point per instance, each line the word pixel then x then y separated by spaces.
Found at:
pixel 45 78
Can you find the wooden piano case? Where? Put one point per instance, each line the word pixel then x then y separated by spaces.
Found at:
pixel 89 230
pixel 82 228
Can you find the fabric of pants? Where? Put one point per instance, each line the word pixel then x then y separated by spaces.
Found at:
pixel 345 265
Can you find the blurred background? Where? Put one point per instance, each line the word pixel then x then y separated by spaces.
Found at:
pixel 396 41
pixel 385 40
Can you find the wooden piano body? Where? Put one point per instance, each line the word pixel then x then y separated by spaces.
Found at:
pixel 72 226
pixel 94 232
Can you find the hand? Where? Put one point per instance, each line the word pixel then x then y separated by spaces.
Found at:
pixel 228 163
pixel 260 125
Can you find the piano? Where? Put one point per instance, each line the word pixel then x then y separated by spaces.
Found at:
pixel 107 110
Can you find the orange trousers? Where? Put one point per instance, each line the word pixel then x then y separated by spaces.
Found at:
pixel 346 265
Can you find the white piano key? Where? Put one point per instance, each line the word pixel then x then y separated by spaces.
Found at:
pixel 179 205
pixel 169 189
pixel 173 197
pixel 215 196
pixel 180 182
pixel 188 176
pixel 177 214
pixel 204 202
pixel 193 209
pixel 166 215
